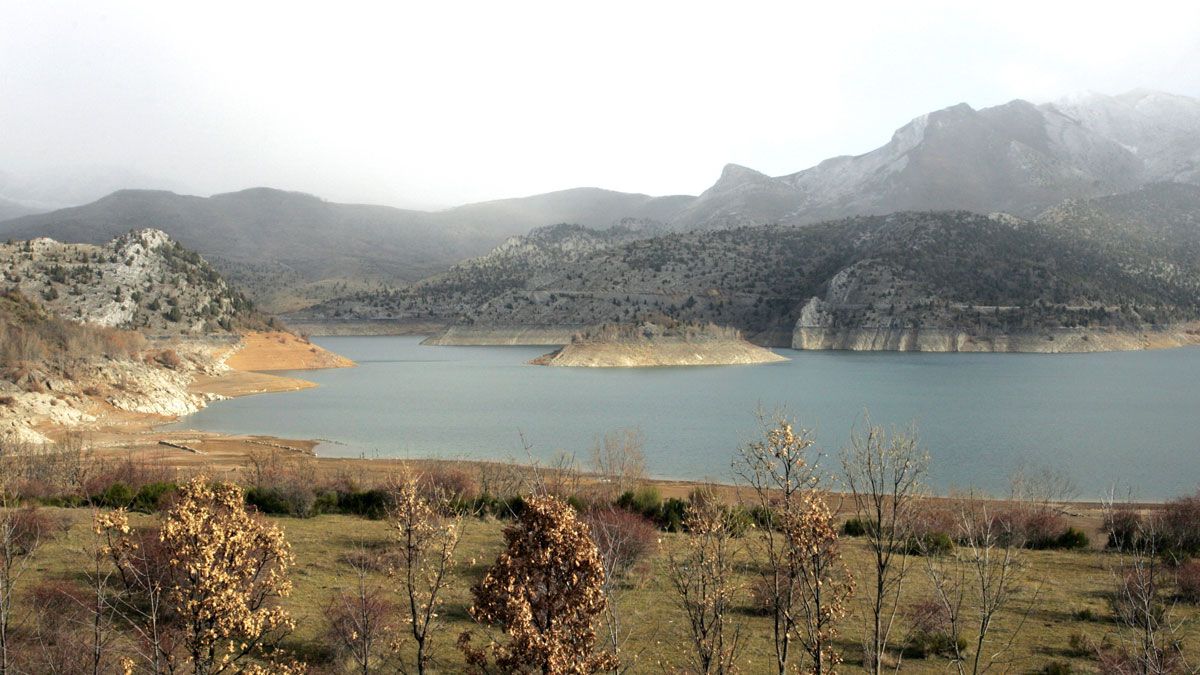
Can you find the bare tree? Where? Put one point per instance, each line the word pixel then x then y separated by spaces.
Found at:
pixel 360 619
pixel 1145 610
pixel 97 604
pixel 702 577
pixel 884 472
pixel 143 566
pixel 623 539
pixel 619 459
pixel 978 580
pixel 427 541
pixel 22 531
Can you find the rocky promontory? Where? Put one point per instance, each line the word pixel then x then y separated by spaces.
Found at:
pixel 657 344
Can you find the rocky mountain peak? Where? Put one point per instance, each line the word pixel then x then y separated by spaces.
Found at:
pixel 735 175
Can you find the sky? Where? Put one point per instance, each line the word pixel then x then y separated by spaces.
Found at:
pixel 432 104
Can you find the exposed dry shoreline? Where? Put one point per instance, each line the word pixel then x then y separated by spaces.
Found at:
pixel 1046 341
pixel 210 372
pixel 861 338
pixel 657 353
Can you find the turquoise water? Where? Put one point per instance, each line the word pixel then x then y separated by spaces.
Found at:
pixel 1131 418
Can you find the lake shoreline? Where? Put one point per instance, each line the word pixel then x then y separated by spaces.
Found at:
pixel 980 415
pixel 808 338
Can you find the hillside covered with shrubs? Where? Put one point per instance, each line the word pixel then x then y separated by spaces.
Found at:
pixel 1126 261
pixel 142 280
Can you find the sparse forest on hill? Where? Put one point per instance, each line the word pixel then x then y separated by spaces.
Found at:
pixel 140 280
pixel 1073 268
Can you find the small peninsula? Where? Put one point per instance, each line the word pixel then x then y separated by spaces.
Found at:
pixel 662 342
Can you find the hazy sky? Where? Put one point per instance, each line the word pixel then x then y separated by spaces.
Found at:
pixel 434 103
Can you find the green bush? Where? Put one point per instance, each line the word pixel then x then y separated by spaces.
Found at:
pixel 115 496
pixel 326 502
pixel 268 500
pixel 373 504
pixel 1072 539
pixel 1056 668
pixel 854 527
pixel 930 543
pixel 645 500
pixel 671 516
pixel 922 645
pixel 738 520
pixel 762 516
pixel 151 496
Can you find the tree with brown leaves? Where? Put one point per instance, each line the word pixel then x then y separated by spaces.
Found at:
pixel 546 592
pixel 229 566
pixel 823 582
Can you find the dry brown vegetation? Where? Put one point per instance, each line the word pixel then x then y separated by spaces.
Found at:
pixel 545 565
pixel 29 336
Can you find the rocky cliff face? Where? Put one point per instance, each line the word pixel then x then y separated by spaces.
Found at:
pixel 1048 341
pixel 835 323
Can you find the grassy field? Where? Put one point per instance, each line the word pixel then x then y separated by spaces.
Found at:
pixel 1062 585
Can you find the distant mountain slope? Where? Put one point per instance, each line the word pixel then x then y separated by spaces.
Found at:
pixel 1121 262
pixel 1161 129
pixel 1017 157
pixel 140 280
pixel 10 209
pixel 292 250
pixel 271 241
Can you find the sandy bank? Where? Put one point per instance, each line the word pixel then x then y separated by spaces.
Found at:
pixel 282 351
pixel 658 352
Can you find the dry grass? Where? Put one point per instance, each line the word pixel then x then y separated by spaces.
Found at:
pixel 1065 584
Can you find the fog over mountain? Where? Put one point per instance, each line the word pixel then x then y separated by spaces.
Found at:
pixel 290 249
pixel 1017 157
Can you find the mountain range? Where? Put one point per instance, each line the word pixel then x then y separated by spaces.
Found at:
pixel 291 250
pixel 1123 263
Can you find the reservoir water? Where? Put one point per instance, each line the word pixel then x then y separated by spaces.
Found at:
pixel 1126 418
